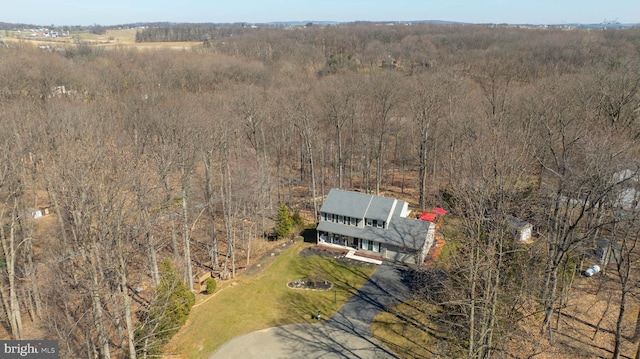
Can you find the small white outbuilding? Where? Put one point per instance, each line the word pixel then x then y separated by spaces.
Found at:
pixel 522 230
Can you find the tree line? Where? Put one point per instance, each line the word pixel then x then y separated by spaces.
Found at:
pixel 142 156
pixel 187 32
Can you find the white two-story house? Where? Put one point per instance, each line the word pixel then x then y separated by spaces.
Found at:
pixel 374 224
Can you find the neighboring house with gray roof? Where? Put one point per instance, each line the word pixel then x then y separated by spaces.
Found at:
pixel 375 225
pixel 627 195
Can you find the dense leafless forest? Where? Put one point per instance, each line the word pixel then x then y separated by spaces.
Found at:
pixel 139 155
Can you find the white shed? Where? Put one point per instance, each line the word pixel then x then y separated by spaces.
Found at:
pixel 522 230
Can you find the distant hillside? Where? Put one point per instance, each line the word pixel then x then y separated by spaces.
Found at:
pixel 200 26
pixel 10 26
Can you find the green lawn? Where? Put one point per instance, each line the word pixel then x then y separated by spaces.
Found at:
pixel 407 330
pixel 453 237
pixel 264 300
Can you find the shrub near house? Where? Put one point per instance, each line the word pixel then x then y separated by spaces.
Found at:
pixel 211 285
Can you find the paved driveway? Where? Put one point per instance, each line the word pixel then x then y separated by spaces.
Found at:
pixel 346 335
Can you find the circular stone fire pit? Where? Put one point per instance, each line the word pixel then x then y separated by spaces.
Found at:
pixel 310 284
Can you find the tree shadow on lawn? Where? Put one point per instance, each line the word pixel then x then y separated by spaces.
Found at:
pixel 347 333
pixel 416 348
pixel 338 336
pixel 345 282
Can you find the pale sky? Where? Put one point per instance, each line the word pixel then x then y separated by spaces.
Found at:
pixel 115 12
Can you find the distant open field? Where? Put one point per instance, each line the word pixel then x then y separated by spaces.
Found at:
pixel 122 37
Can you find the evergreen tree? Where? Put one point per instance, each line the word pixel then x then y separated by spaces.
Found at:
pixel 167 312
pixel 284 222
pixel 211 285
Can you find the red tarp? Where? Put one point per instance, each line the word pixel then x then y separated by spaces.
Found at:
pixel 439 210
pixel 426 216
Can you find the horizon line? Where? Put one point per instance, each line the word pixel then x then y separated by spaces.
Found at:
pixel 443 22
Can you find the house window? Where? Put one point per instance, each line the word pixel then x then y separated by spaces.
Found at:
pixel 380 224
pixel 370 245
pixel 369 222
pixel 376 247
pixel 365 244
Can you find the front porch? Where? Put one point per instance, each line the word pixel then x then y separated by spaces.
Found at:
pixel 351 253
pixel 357 244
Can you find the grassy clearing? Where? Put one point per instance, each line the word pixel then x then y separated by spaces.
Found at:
pixel 263 300
pixel 453 236
pixel 113 37
pixel 406 330
pixel 449 248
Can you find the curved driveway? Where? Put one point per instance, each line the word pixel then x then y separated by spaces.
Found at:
pixel 346 335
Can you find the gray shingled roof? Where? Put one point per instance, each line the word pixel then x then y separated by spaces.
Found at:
pixel 380 208
pixel 346 203
pixel 358 205
pixel 403 232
